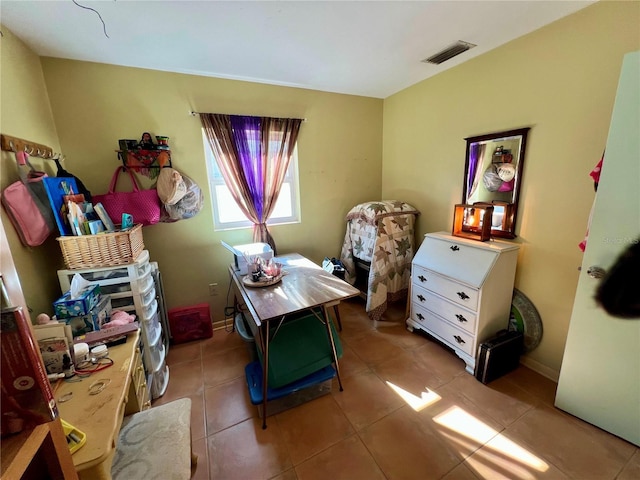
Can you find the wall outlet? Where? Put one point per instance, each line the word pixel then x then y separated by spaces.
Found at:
pixel 213 289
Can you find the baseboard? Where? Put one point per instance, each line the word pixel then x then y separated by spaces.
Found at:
pixel 220 324
pixel 538 367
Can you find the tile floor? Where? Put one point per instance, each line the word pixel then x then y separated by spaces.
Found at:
pixel 408 411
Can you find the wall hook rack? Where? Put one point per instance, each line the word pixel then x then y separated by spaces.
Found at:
pixel 14 144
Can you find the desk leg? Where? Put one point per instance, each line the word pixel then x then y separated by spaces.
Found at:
pixel 264 333
pixel 327 322
pixel 337 312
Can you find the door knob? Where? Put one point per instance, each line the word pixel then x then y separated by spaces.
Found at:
pixel 596 272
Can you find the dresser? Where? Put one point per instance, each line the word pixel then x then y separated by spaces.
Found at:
pixel 138 396
pixel 134 288
pixel 461 291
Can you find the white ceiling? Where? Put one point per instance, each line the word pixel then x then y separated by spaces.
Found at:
pixel 370 48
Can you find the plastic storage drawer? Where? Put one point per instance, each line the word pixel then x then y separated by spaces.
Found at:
pixel 147 293
pixel 154 356
pixel 107 275
pixel 151 327
pixel 123 303
pixel 291 395
pixel 147 310
pixel 160 382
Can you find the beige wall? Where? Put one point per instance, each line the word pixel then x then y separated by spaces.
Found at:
pixel 339 150
pixel 561 81
pixel 25 113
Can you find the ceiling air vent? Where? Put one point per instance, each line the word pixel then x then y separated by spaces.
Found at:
pixel 449 52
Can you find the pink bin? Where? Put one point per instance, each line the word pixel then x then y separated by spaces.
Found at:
pixel 190 323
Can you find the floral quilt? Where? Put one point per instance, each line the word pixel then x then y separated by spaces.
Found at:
pixel 381 233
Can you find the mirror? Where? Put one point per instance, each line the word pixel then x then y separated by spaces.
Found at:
pixel 492 174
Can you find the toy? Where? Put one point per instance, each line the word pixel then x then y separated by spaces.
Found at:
pixel 43 319
pixel 118 317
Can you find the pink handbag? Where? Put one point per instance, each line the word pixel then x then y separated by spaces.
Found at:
pixel 143 205
pixel 27 206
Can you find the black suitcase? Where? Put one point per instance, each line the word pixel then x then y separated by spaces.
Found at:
pixel 499 355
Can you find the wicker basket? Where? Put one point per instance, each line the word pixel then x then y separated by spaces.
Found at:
pixel 103 250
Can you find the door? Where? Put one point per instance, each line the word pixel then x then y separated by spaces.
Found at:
pixel 600 375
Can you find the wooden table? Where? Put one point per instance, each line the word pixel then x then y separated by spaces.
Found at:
pixel 99 416
pixel 304 286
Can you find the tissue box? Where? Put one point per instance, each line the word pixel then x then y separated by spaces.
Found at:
pixel 98 315
pixel 66 307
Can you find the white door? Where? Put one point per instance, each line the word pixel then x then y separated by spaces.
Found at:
pixel 600 375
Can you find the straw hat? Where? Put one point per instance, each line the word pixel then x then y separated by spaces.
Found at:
pixel 171 187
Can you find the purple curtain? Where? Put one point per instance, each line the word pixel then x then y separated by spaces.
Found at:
pixel 474 151
pixel 245 132
pixel 476 155
pixel 253 154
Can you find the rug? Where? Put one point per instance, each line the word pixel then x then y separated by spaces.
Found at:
pixel 155 444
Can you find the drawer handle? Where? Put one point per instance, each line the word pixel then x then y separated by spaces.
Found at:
pixel 454 248
pixel 420 316
pixel 461 318
pixel 421 298
pixel 463 295
pixel 422 278
pixel 459 339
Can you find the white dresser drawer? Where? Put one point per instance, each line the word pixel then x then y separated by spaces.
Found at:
pixel 457 259
pixel 456 338
pixel 452 312
pixel 454 291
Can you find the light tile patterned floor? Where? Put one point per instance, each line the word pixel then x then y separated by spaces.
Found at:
pixel 408 411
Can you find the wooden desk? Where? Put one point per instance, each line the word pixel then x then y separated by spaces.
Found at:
pixel 99 416
pixel 304 286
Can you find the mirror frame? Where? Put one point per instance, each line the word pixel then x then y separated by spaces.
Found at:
pixel 509 230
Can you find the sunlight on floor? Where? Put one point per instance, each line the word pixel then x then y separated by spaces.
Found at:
pixel 425 399
pixel 509 455
pixel 458 420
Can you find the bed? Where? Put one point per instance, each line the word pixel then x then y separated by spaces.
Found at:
pixel 377 252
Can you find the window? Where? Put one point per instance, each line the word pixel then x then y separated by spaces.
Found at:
pixel 226 213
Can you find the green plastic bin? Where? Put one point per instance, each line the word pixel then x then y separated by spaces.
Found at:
pixel 299 348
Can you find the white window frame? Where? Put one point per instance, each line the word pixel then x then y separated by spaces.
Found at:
pixel 229 218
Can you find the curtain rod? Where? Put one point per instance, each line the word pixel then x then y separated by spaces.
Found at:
pixel 193 114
